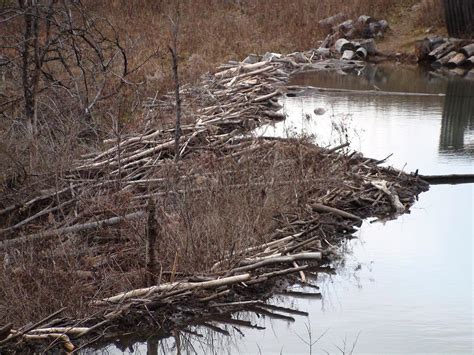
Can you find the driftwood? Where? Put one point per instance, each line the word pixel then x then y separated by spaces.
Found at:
pixel 174 286
pixel 452 179
pixel 322 208
pixel 392 196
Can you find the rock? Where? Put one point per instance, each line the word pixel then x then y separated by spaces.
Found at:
pixel 435 41
pixel 375 29
pixel 329 22
pixel 298 57
pixel 269 56
pixel 319 111
pixel 470 75
pixel 458 71
pixel 352 33
pixel 251 59
pixel 365 19
pixel 468 50
pixel 383 25
pixel 369 46
pixel 323 52
pixel 344 27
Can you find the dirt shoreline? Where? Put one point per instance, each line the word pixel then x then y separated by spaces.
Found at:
pixel 298 203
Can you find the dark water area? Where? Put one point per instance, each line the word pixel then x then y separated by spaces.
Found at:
pixel 406 286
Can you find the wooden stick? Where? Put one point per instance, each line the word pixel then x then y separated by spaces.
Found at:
pixel 174 285
pixel 451 179
pixel 31 327
pixel 71 229
pixel 278 260
pixel 322 208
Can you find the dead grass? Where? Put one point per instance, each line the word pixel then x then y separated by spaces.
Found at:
pixel 220 212
pixel 214 31
pixel 430 13
pixel 211 32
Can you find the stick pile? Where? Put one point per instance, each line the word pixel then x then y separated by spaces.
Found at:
pixel 330 197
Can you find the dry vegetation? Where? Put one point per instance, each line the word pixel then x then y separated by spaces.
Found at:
pixel 224 203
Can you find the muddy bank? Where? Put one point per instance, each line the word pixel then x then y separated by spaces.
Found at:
pixel 279 207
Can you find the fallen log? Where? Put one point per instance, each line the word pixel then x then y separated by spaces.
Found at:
pixel 322 208
pixel 76 331
pixel 468 50
pixel 441 51
pixel 457 60
pixel 72 229
pixel 27 329
pixel 261 262
pixel 444 60
pixel 173 286
pixel 452 179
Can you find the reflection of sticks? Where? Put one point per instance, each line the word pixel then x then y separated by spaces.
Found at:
pixel 282 309
pixel 270 314
pixel 216 328
pixel 299 294
pixel 239 322
pixel 365 92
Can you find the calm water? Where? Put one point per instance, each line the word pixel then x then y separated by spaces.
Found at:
pixel 407 285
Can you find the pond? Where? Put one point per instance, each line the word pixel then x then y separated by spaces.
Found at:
pixel 406 285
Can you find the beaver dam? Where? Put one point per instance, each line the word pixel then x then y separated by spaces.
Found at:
pixel 133 240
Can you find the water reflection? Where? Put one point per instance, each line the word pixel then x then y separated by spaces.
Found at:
pixel 458 117
pixel 416 117
pixel 393 78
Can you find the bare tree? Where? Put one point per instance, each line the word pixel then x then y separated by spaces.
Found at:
pixel 173 48
pixel 59 51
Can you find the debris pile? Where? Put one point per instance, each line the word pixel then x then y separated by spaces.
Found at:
pixel 326 195
pixel 353 38
pixel 452 53
pixel 304 243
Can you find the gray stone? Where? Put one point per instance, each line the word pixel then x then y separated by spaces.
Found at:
pixel 319 111
pixel 269 56
pixel 251 59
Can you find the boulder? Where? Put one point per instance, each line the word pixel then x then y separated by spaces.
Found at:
pixel 251 59
pixel 269 56
pixel 369 46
